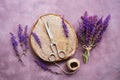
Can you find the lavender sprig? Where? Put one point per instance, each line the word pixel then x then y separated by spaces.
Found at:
pixel 37 39
pixel 44 66
pixel 65 27
pixel 90 32
pixel 14 42
pixel 15 45
pixel 23 38
pixel 41 64
pixel 20 35
pixel 26 37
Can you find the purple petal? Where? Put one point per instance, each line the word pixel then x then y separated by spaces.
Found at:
pixel 85 14
pixel 95 18
pixel 21 37
pixel 26 37
pixel 25 32
pixel 105 24
pixel 37 38
pixel 100 21
pixel 14 41
pixel 65 27
pixel 106 21
pixel 42 64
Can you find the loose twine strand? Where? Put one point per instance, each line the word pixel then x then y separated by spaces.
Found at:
pixel 65 72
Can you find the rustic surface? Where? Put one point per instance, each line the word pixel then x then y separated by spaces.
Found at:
pixel 104 61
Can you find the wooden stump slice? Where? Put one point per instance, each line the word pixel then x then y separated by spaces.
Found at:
pixel 66 44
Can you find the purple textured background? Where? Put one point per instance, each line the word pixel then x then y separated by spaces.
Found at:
pixel 104 63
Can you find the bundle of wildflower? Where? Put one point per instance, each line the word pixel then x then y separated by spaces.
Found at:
pixel 90 32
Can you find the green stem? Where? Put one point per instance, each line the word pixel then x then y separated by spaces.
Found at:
pixel 86 56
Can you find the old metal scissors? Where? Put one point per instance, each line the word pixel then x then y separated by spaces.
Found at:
pixel 60 53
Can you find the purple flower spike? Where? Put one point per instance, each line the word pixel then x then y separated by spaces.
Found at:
pixel 20 35
pixel 106 21
pixel 23 38
pixel 26 37
pixel 99 21
pixel 90 32
pixel 103 28
pixel 15 45
pixel 25 32
pixel 37 39
pixel 14 42
pixel 42 64
pixel 65 27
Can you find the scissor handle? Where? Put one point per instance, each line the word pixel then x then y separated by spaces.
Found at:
pixel 61 54
pixel 52 57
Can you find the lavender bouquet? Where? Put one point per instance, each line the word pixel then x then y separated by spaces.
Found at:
pixel 90 32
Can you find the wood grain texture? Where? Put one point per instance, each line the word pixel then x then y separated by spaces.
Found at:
pixel 67 44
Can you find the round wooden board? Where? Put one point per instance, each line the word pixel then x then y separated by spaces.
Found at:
pixel 67 44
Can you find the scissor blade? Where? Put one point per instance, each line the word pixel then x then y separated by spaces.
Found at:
pixel 48 31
